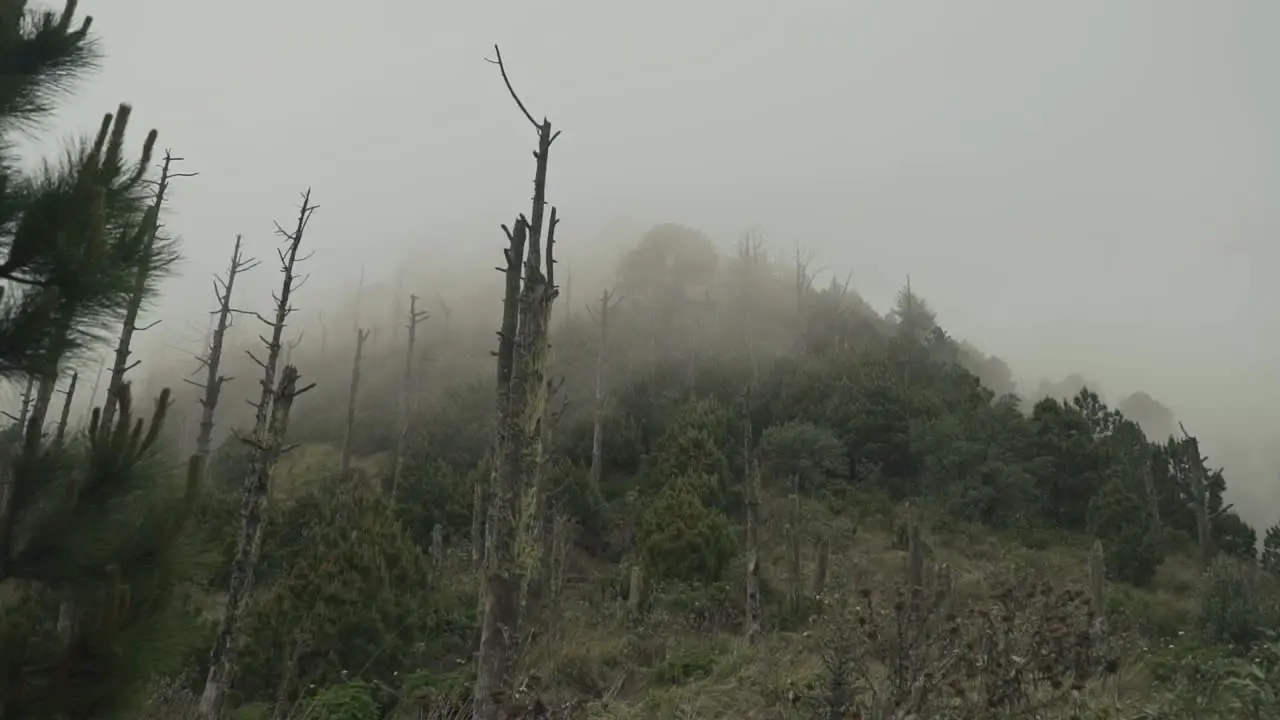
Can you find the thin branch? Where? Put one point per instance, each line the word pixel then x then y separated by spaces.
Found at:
pixel 503 69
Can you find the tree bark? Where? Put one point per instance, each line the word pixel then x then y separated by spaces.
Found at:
pixel 253 503
pixel 361 336
pixel 270 423
pixel 212 362
pixel 751 474
pixel 407 393
pixel 70 393
pixel 150 228
pixel 521 411
pixel 601 318
pixel 1200 501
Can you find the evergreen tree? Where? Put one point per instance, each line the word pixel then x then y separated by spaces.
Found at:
pixel 96 522
pixel 1271 550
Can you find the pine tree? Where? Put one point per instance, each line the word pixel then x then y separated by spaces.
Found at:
pixel 69 231
pixel 99 520
pixel 1271 550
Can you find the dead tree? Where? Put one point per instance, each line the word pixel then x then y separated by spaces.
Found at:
pixel 270 422
pixel 396 307
pixel 361 336
pixel 40 404
pixel 291 345
pixel 212 361
pixel 521 402
pixel 97 383
pixel 540 540
pixel 601 319
pixel 154 259
pixel 568 296
pixel 25 411
pixel 70 394
pixel 751 487
pixel 408 392
pixel 1198 478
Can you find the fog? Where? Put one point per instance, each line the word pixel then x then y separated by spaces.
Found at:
pixel 1089 187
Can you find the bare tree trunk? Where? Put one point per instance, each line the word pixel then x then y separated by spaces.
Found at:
pixel 1153 499
pixel 212 362
pixel 290 346
pixel 44 397
pixel 222 666
pixel 751 475
pixel 28 395
pixel 521 407
pixel 361 336
pixel 601 319
pixel 1200 502
pixel 67 607
pixel 93 394
pixel 70 393
pixel 407 393
pixel 150 228
pixel 288 679
pixel 270 423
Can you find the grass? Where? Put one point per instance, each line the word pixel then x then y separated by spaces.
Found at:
pixel 659 667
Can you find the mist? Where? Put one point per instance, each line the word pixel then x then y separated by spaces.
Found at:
pixel 1086 188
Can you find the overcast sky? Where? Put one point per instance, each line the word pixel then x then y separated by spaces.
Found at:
pixel 1088 186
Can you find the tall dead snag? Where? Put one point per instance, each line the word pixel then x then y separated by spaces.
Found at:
pixel 520 409
pixel 212 361
pixel 601 319
pixel 538 520
pixel 155 257
pixel 751 487
pixel 97 383
pixel 270 422
pixel 361 336
pixel 1199 486
pixel 25 411
pixel 290 346
pixel 70 394
pixel 408 392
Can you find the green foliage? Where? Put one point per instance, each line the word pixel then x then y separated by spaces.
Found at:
pixel 682 539
pixel 1213 683
pixel 685 665
pixel 801 450
pixel 1271 550
pixel 425 691
pixel 111 539
pixel 1070 462
pixel 1231 609
pixel 695 450
pixel 352 599
pixel 432 492
pixel 1233 536
pixel 1120 518
pixel 345 701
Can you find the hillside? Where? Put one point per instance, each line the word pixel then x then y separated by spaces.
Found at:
pixel 865 428
pixel 728 489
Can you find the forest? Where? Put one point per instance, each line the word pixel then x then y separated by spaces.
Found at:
pixel 704 484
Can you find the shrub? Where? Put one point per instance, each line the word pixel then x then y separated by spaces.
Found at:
pixel 1120 518
pixel 347 701
pixel 1230 608
pixel 682 539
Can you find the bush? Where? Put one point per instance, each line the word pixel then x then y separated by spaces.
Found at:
pixel 1230 608
pixel 351 600
pixel 1120 518
pixel 348 701
pixel 682 539
pixel 804 453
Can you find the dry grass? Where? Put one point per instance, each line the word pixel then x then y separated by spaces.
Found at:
pixel 658 667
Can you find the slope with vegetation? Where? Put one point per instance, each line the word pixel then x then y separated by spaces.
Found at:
pixel 724 492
